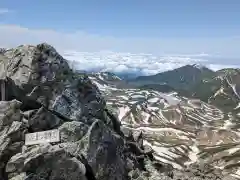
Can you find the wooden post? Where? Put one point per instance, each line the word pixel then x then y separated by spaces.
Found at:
pixel 3 90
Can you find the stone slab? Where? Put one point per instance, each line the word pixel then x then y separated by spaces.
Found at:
pixel 42 137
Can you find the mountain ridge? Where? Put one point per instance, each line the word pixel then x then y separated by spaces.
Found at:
pixel 182 76
pixel 203 85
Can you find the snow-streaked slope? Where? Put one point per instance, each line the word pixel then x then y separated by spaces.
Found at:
pixel 222 90
pixel 181 131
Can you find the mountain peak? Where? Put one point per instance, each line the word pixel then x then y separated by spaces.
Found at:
pixel 193 66
pixel 2 50
pixel 182 77
pixel 199 66
pixel 108 76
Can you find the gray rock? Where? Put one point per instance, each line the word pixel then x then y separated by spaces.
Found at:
pixel 45 162
pixel 2 50
pixel 45 76
pixel 21 176
pixel 138 137
pixel 39 76
pixel 11 131
pixel 41 120
pixel 72 131
pixel 104 151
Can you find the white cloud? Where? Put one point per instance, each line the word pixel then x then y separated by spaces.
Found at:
pixel 5 11
pixel 12 35
pixel 222 66
pixel 168 53
pixel 141 64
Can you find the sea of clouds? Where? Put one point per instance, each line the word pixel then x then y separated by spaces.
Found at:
pixel 139 64
pixel 163 53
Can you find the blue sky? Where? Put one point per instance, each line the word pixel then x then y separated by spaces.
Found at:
pixel 158 27
pixel 123 18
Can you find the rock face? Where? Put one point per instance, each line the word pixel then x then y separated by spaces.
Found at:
pixel 72 131
pixel 12 132
pixel 45 76
pixel 43 93
pixel 41 119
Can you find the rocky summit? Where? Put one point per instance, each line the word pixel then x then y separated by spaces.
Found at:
pixel 107 131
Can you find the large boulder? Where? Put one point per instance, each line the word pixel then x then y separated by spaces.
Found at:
pixel 104 151
pixel 45 76
pixel 41 120
pixel 45 162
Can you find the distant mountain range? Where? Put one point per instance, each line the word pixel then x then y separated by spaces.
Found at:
pixel 220 88
pixel 180 78
pixel 197 82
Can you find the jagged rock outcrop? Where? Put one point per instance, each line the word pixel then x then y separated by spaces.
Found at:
pixel 104 151
pixel 45 76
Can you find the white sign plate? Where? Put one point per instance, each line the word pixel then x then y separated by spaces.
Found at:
pixel 42 137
